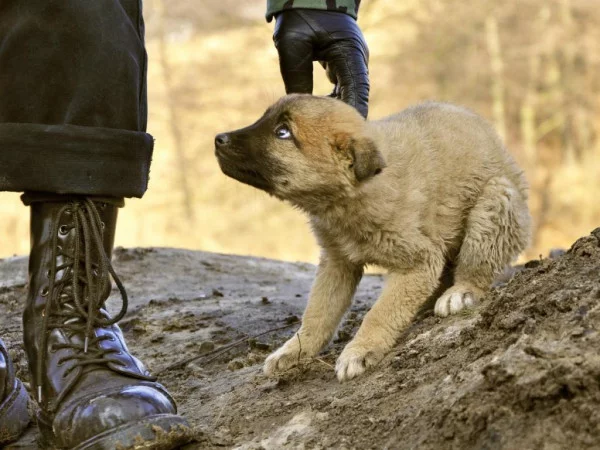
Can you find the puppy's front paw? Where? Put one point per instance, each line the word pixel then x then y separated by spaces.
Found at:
pixel 355 359
pixel 454 300
pixel 285 357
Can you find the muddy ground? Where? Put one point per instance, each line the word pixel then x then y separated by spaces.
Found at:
pixel 521 371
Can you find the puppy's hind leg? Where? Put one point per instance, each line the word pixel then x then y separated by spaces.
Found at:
pixel 402 296
pixel 497 230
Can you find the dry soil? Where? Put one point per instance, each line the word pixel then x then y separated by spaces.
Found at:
pixel 521 371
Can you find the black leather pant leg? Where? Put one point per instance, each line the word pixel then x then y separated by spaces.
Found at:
pixel 304 35
pixel 73 97
pixel 295 43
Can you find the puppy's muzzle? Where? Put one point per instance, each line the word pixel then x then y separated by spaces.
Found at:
pixel 240 163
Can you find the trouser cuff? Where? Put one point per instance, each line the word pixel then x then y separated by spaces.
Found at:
pixel 70 159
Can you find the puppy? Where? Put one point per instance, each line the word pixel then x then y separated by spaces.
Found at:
pixel 428 188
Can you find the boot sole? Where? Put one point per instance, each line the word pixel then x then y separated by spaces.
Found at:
pixel 159 432
pixel 14 415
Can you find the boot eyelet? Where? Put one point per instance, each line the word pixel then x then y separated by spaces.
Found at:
pixel 102 205
pixel 102 226
pixel 68 211
pixel 63 230
pixel 48 273
pixel 95 272
pixel 44 291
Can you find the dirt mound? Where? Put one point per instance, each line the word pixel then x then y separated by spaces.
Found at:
pixel 520 371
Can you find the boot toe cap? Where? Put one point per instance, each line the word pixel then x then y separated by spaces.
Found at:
pixel 130 407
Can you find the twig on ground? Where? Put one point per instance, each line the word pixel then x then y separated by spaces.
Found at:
pixel 225 404
pixel 300 347
pixel 219 351
pixel 324 362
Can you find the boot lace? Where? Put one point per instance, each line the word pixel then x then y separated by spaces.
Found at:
pixel 75 300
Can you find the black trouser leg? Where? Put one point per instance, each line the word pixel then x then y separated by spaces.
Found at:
pixel 73 97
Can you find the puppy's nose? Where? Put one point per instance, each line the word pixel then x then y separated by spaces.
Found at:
pixel 222 140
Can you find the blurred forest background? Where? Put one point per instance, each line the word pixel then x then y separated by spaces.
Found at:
pixel 530 66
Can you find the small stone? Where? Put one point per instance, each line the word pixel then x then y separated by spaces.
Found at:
pixel 257 345
pixel 207 346
pixel 196 369
pixel 578 332
pixel 235 365
pixel 253 358
pixel 265 301
pixel 322 415
pixel 291 319
pixel 217 293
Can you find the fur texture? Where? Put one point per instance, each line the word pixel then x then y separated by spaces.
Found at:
pixel 428 189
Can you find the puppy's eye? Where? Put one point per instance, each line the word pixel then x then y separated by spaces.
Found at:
pixel 283 132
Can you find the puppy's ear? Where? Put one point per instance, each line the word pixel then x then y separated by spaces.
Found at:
pixel 367 160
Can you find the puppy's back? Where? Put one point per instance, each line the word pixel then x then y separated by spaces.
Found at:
pixel 446 144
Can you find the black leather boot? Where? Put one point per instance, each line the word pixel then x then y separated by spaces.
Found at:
pixel 14 416
pixel 92 393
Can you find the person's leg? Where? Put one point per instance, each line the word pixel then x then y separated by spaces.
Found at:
pixel 73 98
pixel 72 136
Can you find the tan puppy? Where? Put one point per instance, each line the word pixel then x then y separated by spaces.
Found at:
pixel 429 187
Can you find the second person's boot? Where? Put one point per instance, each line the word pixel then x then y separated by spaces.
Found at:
pixel 14 416
pixel 92 393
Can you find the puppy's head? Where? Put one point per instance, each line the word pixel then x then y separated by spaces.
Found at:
pixel 304 149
